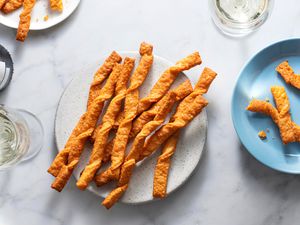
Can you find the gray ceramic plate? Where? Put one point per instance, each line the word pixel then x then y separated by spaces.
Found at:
pixel 189 149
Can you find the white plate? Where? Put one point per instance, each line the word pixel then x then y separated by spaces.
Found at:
pixel 189 150
pixel 40 10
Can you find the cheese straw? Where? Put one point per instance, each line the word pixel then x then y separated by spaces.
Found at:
pixel 166 79
pixel 137 145
pixel 102 73
pixel 164 160
pixel 162 167
pixel 68 158
pixel 25 18
pixel 107 123
pixel 289 131
pixel 11 5
pixel 114 196
pixel 288 74
pixel 131 104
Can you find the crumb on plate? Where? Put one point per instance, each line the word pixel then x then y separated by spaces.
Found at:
pixel 46 18
pixel 262 135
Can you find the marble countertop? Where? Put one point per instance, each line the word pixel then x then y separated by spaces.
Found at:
pixel 228 187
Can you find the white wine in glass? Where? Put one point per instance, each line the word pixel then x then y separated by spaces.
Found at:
pixel 21 136
pixel 240 17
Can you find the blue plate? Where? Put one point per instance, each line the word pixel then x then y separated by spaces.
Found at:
pixel 255 81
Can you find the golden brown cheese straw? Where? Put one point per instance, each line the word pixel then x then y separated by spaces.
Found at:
pixel 2 3
pixel 281 116
pixel 287 73
pixel 25 18
pixel 184 118
pixel 56 5
pixel 131 104
pixel 126 172
pixel 65 162
pixel 163 166
pixel 11 5
pixel 166 80
pixel 102 73
pixel 184 89
pixel 107 124
pixel 114 196
pixel 163 163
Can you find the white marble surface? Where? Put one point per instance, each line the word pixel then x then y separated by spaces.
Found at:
pixel 229 186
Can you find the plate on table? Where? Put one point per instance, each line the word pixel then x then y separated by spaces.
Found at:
pixel 255 81
pixel 40 11
pixel 189 149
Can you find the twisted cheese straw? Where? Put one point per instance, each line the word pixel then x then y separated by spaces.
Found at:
pixel 11 5
pixel 68 158
pixel 131 104
pixel 289 131
pixel 162 167
pixel 166 80
pixel 102 73
pixel 56 5
pixel 107 123
pixel 164 160
pixel 137 145
pixel 25 18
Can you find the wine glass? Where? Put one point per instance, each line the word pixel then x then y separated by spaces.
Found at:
pixel 21 136
pixel 240 17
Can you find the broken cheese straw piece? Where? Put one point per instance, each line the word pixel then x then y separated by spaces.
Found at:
pixel 166 80
pixel 114 196
pixel 107 123
pixel 11 5
pixel 162 167
pixel 67 159
pixel 56 5
pixel 137 145
pixel 131 104
pixel 184 89
pixel 102 73
pixel 280 116
pixel 287 73
pixel 25 18
pixel 163 163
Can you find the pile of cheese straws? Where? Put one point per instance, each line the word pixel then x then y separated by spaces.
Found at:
pixel 8 6
pixel 139 119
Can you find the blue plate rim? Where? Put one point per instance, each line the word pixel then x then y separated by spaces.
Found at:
pixel 239 77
